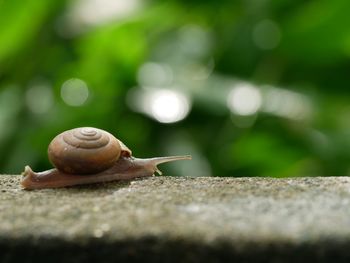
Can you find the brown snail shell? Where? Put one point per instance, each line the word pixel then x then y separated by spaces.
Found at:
pixel 84 151
pixel 90 155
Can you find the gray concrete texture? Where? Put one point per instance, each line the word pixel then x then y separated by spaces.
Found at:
pixel 178 219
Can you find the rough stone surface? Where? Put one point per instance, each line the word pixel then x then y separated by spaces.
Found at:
pixel 181 219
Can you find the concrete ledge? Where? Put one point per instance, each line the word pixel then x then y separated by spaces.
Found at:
pixel 163 219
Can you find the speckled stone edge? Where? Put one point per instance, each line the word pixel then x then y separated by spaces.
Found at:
pixel 282 198
pixel 158 249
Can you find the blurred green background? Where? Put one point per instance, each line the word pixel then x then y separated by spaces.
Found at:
pixel 249 88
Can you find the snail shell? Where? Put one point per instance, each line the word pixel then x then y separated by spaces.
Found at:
pixel 84 151
pixel 90 155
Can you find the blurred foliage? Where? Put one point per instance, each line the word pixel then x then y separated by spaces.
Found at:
pixel 294 56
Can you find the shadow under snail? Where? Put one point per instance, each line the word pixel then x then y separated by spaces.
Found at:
pixel 90 155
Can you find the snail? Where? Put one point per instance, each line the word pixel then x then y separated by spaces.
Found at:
pixel 89 155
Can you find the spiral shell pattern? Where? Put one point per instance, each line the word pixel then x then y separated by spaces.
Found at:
pixel 84 151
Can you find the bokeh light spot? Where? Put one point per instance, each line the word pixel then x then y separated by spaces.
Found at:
pixel 155 74
pixel 74 92
pixel 99 11
pixel 286 103
pixel 39 98
pixel 194 41
pixel 164 105
pixel 169 106
pixel 266 34
pixel 244 99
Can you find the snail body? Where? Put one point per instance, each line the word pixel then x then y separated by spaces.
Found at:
pixel 89 155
